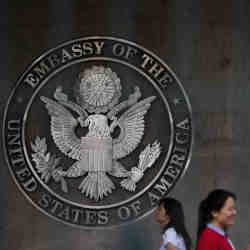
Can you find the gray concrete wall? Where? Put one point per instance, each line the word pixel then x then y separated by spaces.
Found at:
pixel 206 43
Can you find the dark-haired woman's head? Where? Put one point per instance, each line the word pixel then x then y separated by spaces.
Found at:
pixel 219 209
pixel 170 214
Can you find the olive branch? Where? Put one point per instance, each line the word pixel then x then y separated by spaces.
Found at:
pixel 47 164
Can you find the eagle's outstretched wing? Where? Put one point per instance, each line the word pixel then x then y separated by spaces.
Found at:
pixel 131 124
pixel 62 127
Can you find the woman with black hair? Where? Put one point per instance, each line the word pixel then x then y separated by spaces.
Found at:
pixel 170 216
pixel 216 215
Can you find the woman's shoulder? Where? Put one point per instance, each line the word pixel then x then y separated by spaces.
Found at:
pixel 209 239
pixel 207 232
pixel 170 233
pixel 171 236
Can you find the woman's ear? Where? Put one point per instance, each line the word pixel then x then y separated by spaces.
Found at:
pixel 214 214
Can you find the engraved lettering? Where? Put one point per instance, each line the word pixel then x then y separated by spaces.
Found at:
pixel 32 80
pixel 23 174
pixel 87 48
pixel 54 60
pixel 77 50
pixel 45 201
pixel 19 161
pixel 29 182
pixel 90 217
pixel 118 49
pixel 55 205
pixel 184 124
pixel 124 213
pixel 42 69
pixel 30 185
pixel 164 185
pixel 131 52
pixel 181 138
pixel 153 198
pixel 103 218
pixel 165 80
pixel 65 56
pixel 172 171
pixel 14 139
pixel 14 125
pixel 17 157
pixel 65 213
pixel 177 160
pixel 147 60
pixel 99 46
pixel 156 70
pixel 136 207
pixel 76 214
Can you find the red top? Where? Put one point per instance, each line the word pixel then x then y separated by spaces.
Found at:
pixel 211 240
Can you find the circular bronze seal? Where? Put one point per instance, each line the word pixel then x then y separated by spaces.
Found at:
pixel 96 131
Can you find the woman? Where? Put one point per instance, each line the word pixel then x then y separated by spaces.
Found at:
pixel 216 215
pixel 170 216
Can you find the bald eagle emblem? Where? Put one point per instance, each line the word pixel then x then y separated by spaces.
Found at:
pixel 96 154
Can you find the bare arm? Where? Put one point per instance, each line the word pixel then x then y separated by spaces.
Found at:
pixel 169 246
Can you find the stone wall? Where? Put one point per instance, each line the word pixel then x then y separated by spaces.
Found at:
pixel 206 43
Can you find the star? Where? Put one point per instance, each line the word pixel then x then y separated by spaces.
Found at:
pixel 176 101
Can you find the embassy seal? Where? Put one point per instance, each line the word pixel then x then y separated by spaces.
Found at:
pixel 97 131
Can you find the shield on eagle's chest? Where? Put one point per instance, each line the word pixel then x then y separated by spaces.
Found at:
pixel 96 154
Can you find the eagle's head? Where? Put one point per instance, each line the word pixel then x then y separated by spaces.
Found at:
pixel 98 125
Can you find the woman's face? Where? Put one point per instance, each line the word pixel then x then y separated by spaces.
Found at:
pixel 161 216
pixel 226 216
